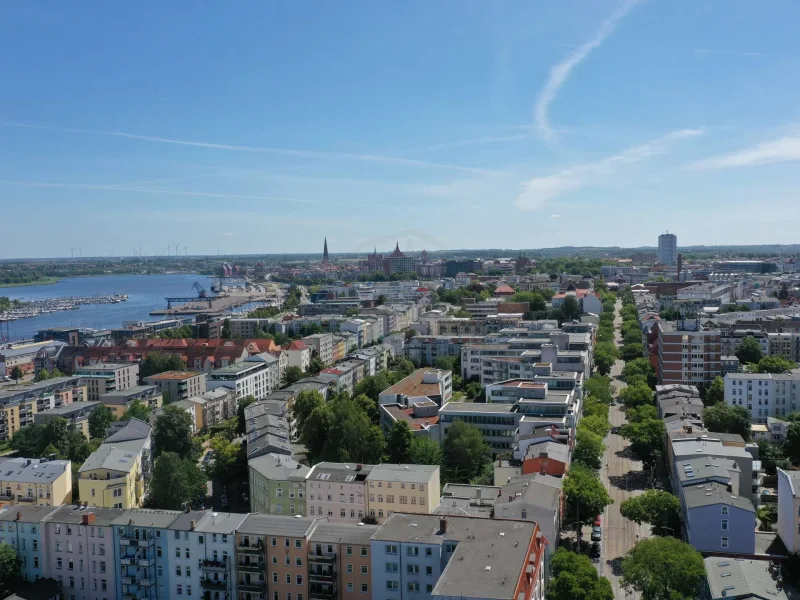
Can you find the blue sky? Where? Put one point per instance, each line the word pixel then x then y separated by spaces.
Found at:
pixel 262 127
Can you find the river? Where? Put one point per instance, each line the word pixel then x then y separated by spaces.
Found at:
pixel 145 293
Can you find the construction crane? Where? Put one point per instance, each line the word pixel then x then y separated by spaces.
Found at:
pixel 201 291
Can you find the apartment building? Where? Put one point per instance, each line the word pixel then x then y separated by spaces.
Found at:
pixel 201 550
pixel 339 560
pixel 35 481
pixel 338 491
pixel 299 355
pixel 108 377
pixel 215 406
pixel 402 488
pixel 19 404
pixel 422 417
pixel 277 547
pixel 496 422
pixel 21 528
pixel 731 339
pixel 76 414
pixel 256 376
pixel 143 566
pixel 532 397
pixel 112 477
pixel 524 364
pixel 424 350
pixel 718 521
pixel 80 551
pixel 277 485
pixel 789 509
pixel 764 395
pixel 340 378
pixel 179 385
pixel 118 402
pixel 434 384
pixel 321 345
pixel 134 436
pixel 433 556
pixel 687 353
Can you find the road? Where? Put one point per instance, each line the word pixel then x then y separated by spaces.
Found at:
pixel 623 477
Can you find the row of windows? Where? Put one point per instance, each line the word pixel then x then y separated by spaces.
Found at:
pixel 402 499
pixel 342 512
pixel 402 485
pixel 411 569
pixel 413 586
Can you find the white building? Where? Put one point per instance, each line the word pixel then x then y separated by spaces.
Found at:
pixel 667 248
pixel 256 375
pixel 321 345
pixel 299 355
pixel 789 509
pixel 763 394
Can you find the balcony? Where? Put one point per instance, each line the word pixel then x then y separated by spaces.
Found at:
pixel 257 548
pixel 212 584
pixel 127 580
pixel 321 558
pixel 321 576
pixel 257 587
pixel 26 499
pixel 136 543
pixel 316 592
pixel 251 568
pixel 214 565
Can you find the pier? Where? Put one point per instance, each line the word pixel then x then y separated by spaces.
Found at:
pixel 34 308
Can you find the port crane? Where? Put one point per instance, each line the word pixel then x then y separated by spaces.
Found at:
pixel 202 294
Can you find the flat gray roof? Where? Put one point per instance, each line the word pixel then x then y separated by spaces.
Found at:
pixel 145 517
pixel 278 467
pixel 477 407
pixel 339 472
pixel 73 515
pixel 220 522
pixel 29 513
pixel 68 409
pixel 277 525
pixel 402 473
pixel 131 391
pixel 111 457
pixel 345 533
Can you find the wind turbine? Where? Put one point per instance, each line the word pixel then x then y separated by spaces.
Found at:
pixel 72 252
pixel 185 250
pixel 80 252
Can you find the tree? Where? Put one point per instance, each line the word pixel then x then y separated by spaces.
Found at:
pixel 775 364
pixel 424 451
pixel 473 390
pixel 664 568
pixel 636 395
pixel 17 374
pixel 632 351
pixel 658 508
pixel 599 387
pixel 586 496
pixel 374 385
pixel 158 362
pixel 647 440
pixel 749 351
pixel 716 392
pixel 137 410
pixel 571 307
pixel 596 423
pixel 176 483
pixel 445 363
pixel 221 467
pixel 643 412
pixel 535 300
pixel 605 355
pixel 10 570
pixel 42 375
pixel 638 367
pixel 29 441
pixel 241 422
pixel 369 406
pixel 791 448
pixel 772 456
pixel 292 375
pixel 588 448
pixel 314 366
pixel 575 578
pixel 341 431
pixel 173 433
pixel 398 442
pixel 464 452
pixel 305 403
pixel 402 368
pixel 722 418
pixel 767 516
pixel 99 419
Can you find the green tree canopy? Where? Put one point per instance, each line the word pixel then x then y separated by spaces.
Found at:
pixel 10 570
pixel 749 351
pixel 575 578
pixel 176 483
pixel 372 386
pixel 647 440
pixel 464 452
pixel 638 367
pixel 424 451
pixel 369 406
pixel 605 355
pixel 398 443
pixel 535 300
pixel 571 307
pixel 305 403
pixel 173 433
pixel 596 423
pixel 767 516
pixel 791 448
pixel 222 466
pixel 588 448
pixel 664 568
pixel 17 374
pixel 658 508
pixel 445 363
pixel 292 375
pixel 586 496
pixel 643 412
pixel 137 410
pixel 722 418
pixel 636 395
pixel 632 351
pixel 158 362
pixel 775 364
pixel 99 419
pixel 599 387
pixel 315 366
pixel 341 431
pixel 716 392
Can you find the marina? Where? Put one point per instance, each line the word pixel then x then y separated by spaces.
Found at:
pixel 35 308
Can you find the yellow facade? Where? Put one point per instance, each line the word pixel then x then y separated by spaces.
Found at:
pixel 394 495
pixel 15 491
pixel 112 488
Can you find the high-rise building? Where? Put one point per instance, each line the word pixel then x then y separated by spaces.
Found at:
pixel 667 248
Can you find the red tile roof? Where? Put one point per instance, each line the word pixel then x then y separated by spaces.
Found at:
pixel 297 345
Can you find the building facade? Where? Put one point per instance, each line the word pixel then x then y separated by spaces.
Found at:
pixel 35 481
pixel 179 385
pixel 108 377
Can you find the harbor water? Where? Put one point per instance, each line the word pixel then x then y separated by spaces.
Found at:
pixel 145 293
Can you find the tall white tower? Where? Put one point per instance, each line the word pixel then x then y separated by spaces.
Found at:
pixel 667 248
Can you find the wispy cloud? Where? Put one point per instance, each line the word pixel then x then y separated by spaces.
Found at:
pixel 710 52
pixel 555 216
pixel 561 72
pixel 783 149
pixel 491 139
pixel 540 190
pixel 377 158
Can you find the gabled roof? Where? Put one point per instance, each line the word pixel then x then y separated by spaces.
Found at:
pixel 134 429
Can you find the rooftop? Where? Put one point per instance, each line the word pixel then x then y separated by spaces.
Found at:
pixel 478 407
pixel 173 375
pixel 277 525
pixel 133 429
pixel 400 413
pixel 69 409
pixel 702 468
pixel 413 384
pixel 278 467
pixel 403 473
pixel 32 470
pixel 145 517
pixel 348 533
pixel 110 457
pixel 339 472
pixel 741 578
pixel 73 515
pixel 101 367
pixel 27 513
pixel 220 522
pixel 708 494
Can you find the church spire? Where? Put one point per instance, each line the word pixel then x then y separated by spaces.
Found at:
pixel 325 252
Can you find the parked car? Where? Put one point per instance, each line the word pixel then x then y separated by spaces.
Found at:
pixel 594 551
pixel 597 521
pixel 597 534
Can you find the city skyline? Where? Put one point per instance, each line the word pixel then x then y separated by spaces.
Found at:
pixel 240 128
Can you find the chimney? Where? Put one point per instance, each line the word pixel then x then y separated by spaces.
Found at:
pixel 442 525
pixel 688 429
pixel 478 494
pixel 729 488
pixel 193 524
pixel 359 466
pixel 88 518
pixel 85 504
pixel 19 516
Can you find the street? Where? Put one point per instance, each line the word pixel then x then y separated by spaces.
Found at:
pixel 623 477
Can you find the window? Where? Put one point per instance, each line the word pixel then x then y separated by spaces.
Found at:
pixel 724 510
pixel 412 551
pixel 287 560
pixel 392 585
pixel 186 553
pixel 391 548
pixel 274 578
pixel 274 541
pixel 429 588
pixel 286 542
pixel 413 586
pixel 364 588
pixel 289 578
pixel 299 580
pixel 724 524
pixel 724 542
pixel 412 569
pixel 298 543
pixel 428 552
pixel 349 551
pixel 349 568
pixel 178 571
pixel 274 560
pixel 349 587
pixel 428 570
pixel 364 569
pixel 391 567
pixel 199 539
pixel 179 589
pixel 177 552
pixel 189 590
pixel 363 551
pixel 298 562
